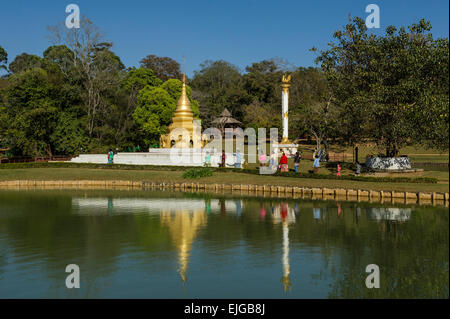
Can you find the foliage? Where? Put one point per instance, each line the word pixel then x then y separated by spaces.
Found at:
pixel 25 62
pixel 197 173
pixel 3 58
pixel 392 88
pixel 153 113
pixel 219 85
pixel 69 136
pixel 31 113
pixel 165 68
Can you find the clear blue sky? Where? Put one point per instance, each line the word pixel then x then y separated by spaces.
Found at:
pixel 238 31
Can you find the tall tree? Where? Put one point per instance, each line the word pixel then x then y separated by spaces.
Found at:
pixel 25 62
pixel 127 130
pixel 262 83
pixel 165 68
pixel 32 104
pixel 3 58
pixel 313 110
pixel 154 112
pixel 97 65
pixel 219 85
pixel 390 88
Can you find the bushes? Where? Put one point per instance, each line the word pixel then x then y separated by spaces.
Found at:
pixel 197 173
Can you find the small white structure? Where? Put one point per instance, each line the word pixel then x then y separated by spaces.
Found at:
pixel 388 163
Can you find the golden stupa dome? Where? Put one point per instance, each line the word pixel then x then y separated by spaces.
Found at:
pixel 184 105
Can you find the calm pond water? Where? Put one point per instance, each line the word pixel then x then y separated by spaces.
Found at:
pixel 149 244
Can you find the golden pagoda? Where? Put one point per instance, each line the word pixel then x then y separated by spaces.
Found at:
pixel 184 131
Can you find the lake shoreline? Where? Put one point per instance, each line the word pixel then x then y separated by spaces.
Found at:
pixel 268 190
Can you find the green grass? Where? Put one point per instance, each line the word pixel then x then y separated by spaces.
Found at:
pixel 226 176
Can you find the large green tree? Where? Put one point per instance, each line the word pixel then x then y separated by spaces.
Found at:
pixel 3 58
pixel 154 112
pixel 31 112
pixel 165 68
pixel 25 62
pixel 392 88
pixel 219 85
pixel 98 68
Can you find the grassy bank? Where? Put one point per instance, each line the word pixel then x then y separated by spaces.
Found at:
pixel 228 176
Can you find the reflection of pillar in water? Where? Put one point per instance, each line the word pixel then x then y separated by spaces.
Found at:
pixel 285 260
pixel 238 207
pixel 183 225
pixel 358 214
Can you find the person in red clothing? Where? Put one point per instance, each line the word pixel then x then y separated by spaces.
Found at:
pixel 284 163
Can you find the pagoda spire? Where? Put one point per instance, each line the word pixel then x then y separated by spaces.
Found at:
pixel 183 105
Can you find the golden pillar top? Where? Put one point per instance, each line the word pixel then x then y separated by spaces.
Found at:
pixel 286 83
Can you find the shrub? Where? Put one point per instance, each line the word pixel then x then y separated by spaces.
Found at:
pixel 197 173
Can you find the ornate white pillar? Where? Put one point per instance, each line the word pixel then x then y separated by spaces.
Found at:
pixel 285 108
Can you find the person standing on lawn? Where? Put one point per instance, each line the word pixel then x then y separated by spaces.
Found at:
pixel 297 161
pixel 316 164
pixel 273 161
pixel 338 170
pixel 358 168
pixel 238 162
pixel 262 159
pixel 110 156
pixel 224 156
pixel 284 163
pixel 208 160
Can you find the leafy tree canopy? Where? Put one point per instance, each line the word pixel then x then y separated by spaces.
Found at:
pixel 165 68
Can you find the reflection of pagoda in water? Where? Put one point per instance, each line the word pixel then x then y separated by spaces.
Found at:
pixel 183 225
pixel 286 215
pixel 152 206
pixel 183 217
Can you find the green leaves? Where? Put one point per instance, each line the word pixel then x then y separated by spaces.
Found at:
pixel 154 112
pixel 156 107
pixel 386 83
pixel 3 58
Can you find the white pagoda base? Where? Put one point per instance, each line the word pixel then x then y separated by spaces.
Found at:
pixel 160 157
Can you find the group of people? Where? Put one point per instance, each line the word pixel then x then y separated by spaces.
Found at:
pixel 237 163
pixel 273 162
pixel 282 164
